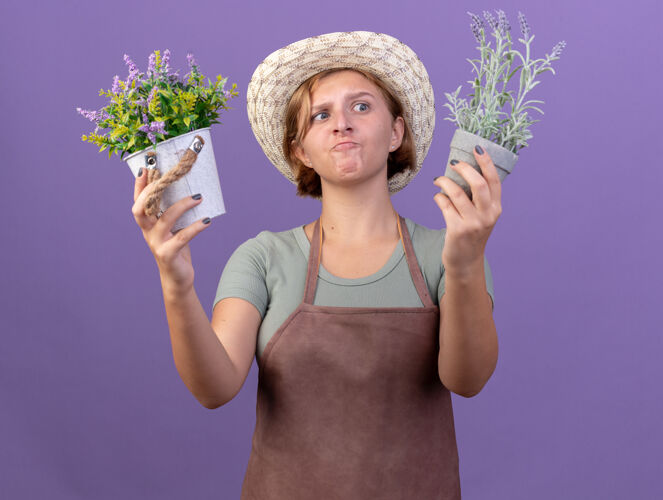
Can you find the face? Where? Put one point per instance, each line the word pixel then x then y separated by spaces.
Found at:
pixel 351 130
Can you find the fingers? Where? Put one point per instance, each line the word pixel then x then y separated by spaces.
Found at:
pixel 486 188
pixel 180 239
pixel 139 184
pixel 448 209
pixel 478 185
pixel 167 220
pixel 159 228
pixel 455 194
pixel 489 172
pixel 140 194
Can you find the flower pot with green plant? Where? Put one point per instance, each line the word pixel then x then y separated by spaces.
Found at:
pixel 483 121
pixel 162 122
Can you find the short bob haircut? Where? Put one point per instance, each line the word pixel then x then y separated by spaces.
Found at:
pixel 297 126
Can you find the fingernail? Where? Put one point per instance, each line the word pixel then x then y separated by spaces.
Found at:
pixel 436 177
pixel 140 171
pixel 197 196
pixel 207 220
pixel 478 149
pixel 453 162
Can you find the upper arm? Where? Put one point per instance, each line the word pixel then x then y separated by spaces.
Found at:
pixel 236 322
pixel 240 304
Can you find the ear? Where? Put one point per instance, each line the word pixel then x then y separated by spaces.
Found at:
pixel 397 132
pixel 299 153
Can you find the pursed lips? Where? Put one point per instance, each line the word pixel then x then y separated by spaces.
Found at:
pixel 344 145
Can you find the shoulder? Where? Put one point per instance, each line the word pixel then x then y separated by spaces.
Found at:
pixel 424 238
pixel 267 244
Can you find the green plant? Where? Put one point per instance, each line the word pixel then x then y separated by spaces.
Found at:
pixel 483 116
pixel 146 109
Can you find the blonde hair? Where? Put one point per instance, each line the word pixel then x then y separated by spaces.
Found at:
pixel 297 126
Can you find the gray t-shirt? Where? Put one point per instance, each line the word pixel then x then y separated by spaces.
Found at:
pixel 269 271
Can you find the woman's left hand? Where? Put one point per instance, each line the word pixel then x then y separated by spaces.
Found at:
pixel 469 222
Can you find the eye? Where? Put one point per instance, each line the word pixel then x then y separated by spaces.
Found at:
pixel 362 104
pixel 318 114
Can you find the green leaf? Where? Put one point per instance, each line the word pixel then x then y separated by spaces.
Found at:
pixel 533 107
pixel 187 121
pixel 473 65
pixel 165 99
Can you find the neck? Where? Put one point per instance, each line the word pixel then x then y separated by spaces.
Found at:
pixel 356 217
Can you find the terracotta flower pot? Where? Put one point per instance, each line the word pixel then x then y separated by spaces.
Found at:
pixel 462 149
pixel 202 178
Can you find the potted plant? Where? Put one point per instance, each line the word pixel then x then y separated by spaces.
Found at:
pixel 162 122
pixel 482 121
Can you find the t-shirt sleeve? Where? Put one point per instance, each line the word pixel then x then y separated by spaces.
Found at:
pixel 489 283
pixel 244 276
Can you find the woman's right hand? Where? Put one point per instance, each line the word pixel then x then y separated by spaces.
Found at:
pixel 171 251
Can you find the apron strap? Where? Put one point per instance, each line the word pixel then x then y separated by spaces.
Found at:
pixel 415 272
pixel 313 265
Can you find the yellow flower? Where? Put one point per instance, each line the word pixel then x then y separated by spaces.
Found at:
pixel 153 108
pixel 188 101
pixel 121 129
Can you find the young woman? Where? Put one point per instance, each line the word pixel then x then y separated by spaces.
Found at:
pixel 361 321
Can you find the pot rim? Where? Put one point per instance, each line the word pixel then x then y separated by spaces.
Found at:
pixel 493 144
pixel 142 151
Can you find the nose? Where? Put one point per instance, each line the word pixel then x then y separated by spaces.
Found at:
pixel 342 121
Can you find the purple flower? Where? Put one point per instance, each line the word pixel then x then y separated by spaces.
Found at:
pixel 476 25
pixel 151 65
pixel 490 19
pixel 130 63
pixel 165 62
pixel 151 128
pixel 94 116
pixel 116 85
pixel 504 25
pixel 191 60
pixel 557 49
pixel 133 70
pixel 158 127
pixel 524 27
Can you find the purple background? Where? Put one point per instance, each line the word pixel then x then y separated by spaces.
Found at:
pixel 92 405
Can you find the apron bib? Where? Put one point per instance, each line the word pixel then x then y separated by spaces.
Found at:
pixel 350 404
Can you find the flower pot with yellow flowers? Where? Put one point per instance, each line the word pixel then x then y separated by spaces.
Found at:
pixel 161 122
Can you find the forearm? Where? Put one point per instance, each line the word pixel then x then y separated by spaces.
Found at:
pixel 468 338
pixel 200 358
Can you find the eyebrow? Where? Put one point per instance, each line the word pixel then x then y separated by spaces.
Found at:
pixel 350 96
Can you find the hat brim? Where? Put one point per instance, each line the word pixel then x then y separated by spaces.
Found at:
pixel 278 76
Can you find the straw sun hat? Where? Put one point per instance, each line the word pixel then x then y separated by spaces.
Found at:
pixel 280 74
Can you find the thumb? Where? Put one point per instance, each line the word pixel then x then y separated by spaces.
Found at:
pixel 140 182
